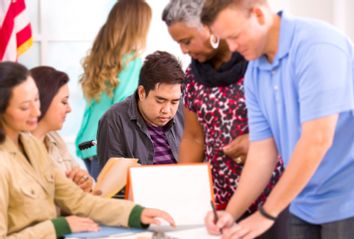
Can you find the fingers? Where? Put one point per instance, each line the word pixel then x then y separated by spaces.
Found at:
pixel 97 192
pixel 71 173
pixel 81 224
pixel 86 186
pixel 210 225
pixel 81 178
pixel 237 147
pixel 241 159
pixel 233 149
pixel 225 220
pixel 236 231
pixel 150 216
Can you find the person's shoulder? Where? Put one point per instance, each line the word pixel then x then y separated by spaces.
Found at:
pixel 54 135
pixel 179 117
pixel 32 142
pixel 312 31
pixel 119 109
pixel 130 60
pixel 5 157
pixel 30 138
pixel 55 138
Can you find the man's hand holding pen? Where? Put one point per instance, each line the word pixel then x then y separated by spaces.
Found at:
pixel 216 221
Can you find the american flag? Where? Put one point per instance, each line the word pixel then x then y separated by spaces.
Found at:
pixel 15 29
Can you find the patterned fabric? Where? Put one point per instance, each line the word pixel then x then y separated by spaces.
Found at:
pixel 222 113
pixel 162 150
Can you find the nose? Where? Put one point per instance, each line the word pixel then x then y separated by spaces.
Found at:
pixel 166 108
pixel 232 45
pixel 35 110
pixel 184 49
pixel 68 110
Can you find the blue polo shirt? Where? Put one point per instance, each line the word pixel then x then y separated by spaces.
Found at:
pixel 310 77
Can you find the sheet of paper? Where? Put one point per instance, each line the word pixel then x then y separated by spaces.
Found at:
pixel 196 233
pixel 142 235
pixel 184 191
pixel 105 232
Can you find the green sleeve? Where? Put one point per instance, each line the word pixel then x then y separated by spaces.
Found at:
pixel 135 218
pixel 61 226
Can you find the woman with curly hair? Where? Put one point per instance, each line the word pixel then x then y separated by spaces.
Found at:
pixel 111 69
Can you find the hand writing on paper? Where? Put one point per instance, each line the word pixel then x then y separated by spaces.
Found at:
pixel 249 228
pixel 81 224
pixel 81 178
pixel 225 220
pixel 150 216
pixel 238 148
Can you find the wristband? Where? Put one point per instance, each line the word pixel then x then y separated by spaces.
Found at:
pixel 265 214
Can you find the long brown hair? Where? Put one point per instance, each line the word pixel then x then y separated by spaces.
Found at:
pixel 120 40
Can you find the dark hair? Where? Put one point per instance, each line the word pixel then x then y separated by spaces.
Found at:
pixel 48 80
pixel 160 68
pixel 11 75
pixel 212 8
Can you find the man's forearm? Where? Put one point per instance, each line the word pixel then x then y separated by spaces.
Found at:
pixel 250 186
pixel 316 138
pixel 261 160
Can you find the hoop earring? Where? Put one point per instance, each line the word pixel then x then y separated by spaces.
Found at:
pixel 214 41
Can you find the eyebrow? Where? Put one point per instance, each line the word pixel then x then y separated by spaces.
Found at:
pixel 25 102
pixel 162 98
pixel 184 39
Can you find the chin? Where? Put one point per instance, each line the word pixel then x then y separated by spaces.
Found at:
pixel 199 59
pixel 31 128
pixel 250 57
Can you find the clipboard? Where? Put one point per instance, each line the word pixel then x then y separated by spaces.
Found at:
pixel 182 190
pixel 113 176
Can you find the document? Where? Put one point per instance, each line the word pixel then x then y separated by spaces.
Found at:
pixel 113 176
pixel 106 231
pixel 184 191
pixel 125 233
pixel 196 233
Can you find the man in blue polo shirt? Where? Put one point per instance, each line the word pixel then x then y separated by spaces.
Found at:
pixel 300 99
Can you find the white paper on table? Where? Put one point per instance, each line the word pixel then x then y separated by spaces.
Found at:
pixel 196 233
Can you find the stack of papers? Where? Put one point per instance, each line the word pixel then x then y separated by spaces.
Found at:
pixel 128 233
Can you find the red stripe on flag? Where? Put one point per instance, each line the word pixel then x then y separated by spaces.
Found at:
pixel 23 35
pixel 19 6
pixel 6 29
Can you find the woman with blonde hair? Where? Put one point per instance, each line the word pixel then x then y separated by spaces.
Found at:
pixel 111 69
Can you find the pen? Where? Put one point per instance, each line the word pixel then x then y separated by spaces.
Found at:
pixel 216 218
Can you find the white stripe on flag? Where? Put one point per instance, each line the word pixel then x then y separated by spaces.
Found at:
pixel 21 21
pixel 4 7
pixel 11 49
